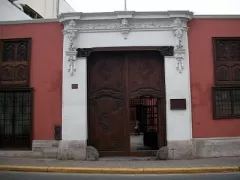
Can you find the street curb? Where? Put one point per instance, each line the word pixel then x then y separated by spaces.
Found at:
pixel 121 170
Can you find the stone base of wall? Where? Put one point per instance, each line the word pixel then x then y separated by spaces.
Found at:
pixel 48 148
pixel 217 147
pixel 20 154
pixel 62 150
pixel 65 150
pixel 78 150
pixel 40 149
pixel 180 149
pixel 203 148
pixel 72 150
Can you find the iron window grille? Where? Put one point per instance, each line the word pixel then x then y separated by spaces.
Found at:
pixel 226 102
pixel 16 118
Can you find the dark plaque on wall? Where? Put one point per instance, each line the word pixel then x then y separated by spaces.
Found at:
pixel 178 104
pixel 74 86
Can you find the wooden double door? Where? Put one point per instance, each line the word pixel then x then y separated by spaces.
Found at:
pixel 114 78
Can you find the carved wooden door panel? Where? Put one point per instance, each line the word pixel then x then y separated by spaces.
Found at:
pixel 106 98
pixel 146 78
pixel 145 74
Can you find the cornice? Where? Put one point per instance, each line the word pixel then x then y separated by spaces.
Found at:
pixel 233 16
pixel 31 21
pixel 126 22
pixel 69 16
pixel 120 21
pixel 124 14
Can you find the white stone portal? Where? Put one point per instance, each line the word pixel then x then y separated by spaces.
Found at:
pixel 177 86
pixel 125 29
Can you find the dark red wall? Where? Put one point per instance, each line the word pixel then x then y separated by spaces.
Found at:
pixel 46 73
pixel 200 35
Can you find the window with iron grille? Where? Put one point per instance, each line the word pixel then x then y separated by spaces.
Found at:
pixel 226 102
pixel 15 118
pixel 226 93
pixel 15 94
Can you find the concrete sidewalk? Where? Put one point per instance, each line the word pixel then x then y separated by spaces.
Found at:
pixel 123 165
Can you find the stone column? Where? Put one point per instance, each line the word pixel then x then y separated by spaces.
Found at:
pixel 179 122
pixel 74 99
pixel 177 78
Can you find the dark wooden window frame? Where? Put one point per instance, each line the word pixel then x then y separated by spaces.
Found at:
pixel 24 87
pixel 232 86
pixel 29 41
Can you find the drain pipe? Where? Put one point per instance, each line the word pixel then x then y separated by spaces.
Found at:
pixel 58 4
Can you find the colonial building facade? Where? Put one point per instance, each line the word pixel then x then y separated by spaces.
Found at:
pixel 126 83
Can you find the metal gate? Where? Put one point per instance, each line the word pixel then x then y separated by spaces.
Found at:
pixel 147 113
pixel 15 119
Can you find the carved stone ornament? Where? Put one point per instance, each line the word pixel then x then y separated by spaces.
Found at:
pixel 179 56
pixel 71 53
pixel 124 23
pixel 71 60
pixel 72 34
pixel 125 28
pixel 178 30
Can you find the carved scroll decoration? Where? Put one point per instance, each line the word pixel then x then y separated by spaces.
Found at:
pixel 72 33
pixel 179 51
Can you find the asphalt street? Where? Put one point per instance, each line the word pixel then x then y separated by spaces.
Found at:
pixel 59 176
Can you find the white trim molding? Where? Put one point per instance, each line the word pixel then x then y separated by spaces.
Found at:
pixel 126 22
pixel 85 31
pixel 218 16
pixel 33 21
pixel 179 27
pixel 72 33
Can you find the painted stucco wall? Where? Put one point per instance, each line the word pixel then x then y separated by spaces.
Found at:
pixel 48 8
pixel 64 7
pixel 46 73
pixel 9 12
pixel 200 36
